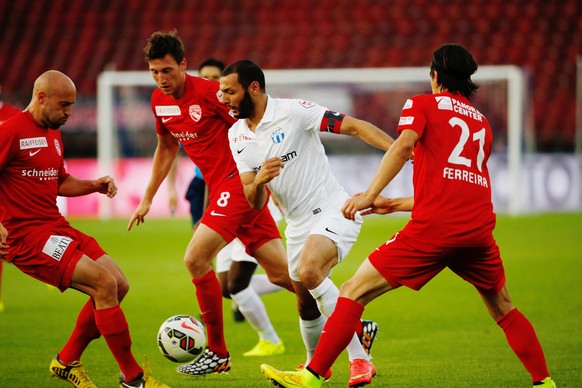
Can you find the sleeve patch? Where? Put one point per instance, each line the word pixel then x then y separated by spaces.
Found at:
pixel 407 104
pixel 406 120
pixel 331 122
pixel 307 104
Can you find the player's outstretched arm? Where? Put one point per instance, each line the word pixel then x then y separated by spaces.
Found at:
pixel 391 164
pixel 73 187
pixel 383 205
pixel 366 132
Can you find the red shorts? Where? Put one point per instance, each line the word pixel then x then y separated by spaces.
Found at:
pixel 50 255
pixel 403 261
pixel 230 215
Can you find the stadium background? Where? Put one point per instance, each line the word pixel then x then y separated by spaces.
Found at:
pixel 83 38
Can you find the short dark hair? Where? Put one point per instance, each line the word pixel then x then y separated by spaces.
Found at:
pixel 161 43
pixel 454 65
pixel 248 72
pixel 213 62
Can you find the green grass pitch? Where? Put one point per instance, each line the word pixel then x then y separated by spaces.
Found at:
pixel 441 336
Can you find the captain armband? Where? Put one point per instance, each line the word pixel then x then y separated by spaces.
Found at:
pixel 331 122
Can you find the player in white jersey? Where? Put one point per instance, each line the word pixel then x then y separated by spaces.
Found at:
pixel 277 148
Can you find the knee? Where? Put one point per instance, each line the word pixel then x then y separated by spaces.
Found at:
pixel 122 288
pixel 196 265
pixel 236 285
pixel 105 288
pixel 309 275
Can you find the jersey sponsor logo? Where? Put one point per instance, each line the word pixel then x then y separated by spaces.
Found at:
pixel 216 214
pixel 168 110
pixel 466 110
pixel 444 103
pixel 185 136
pixel 32 153
pixel 406 120
pixel 407 104
pixel 241 150
pixel 58 147
pixel 195 112
pixel 287 157
pixel 278 135
pixel 43 175
pixel 33 142
pixel 56 246
pixel 241 138
pixel 306 104
pixel 166 119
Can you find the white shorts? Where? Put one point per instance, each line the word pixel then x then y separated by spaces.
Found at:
pixel 331 224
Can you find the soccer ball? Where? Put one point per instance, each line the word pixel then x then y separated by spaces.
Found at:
pixel 181 338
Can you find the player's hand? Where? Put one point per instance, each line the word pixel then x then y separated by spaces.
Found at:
pixel 355 204
pixel 138 216
pixel 106 185
pixel 270 169
pixel 3 246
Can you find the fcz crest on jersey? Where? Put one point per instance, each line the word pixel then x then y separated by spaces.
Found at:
pixel 278 135
pixel 195 112
pixel 58 147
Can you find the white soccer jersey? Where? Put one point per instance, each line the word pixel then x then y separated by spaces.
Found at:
pixel 290 129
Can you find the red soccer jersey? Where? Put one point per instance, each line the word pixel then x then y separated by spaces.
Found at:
pixel 452 192
pixel 200 121
pixel 31 170
pixel 7 111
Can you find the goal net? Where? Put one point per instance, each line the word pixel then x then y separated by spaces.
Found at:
pixel 125 123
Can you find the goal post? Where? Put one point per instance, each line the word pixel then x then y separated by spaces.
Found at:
pixel 308 80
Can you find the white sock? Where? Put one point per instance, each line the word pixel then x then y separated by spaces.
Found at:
pixel 262 285
pixel 310 332
pixel 252 307
pixel 326 295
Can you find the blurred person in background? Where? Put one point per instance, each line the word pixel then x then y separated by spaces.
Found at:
pixel 451 225
pixel 40 242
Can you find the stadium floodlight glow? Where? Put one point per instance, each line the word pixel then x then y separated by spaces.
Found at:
pixel 513 76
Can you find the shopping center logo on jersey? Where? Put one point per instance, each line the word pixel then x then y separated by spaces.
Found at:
pixel 195 112
pixel 33 142
pixel 58 147
pixel 444 103
pixel 167 110
pixel 278 135
pixel 56 246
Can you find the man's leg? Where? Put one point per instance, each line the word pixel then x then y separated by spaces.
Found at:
pixel 250 304
pixel 519 332
pixel 202 249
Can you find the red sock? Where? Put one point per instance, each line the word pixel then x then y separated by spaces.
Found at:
pixel 337 334
pixel 525 344
pixel 84 332
pixel 113 327
pixel 209 297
